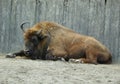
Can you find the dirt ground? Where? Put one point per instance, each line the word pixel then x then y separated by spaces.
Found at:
pixel 26 71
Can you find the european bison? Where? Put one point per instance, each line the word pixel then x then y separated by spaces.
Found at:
pixel 51 41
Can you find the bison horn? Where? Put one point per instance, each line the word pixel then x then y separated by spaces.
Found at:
pixel 23 25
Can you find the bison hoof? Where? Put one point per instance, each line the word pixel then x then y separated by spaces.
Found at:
pixel 76 61
pixel 10 55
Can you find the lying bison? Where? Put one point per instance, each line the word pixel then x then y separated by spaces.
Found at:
pixel 51 41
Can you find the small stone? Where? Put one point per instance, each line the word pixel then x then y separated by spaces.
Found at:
pixel 109 80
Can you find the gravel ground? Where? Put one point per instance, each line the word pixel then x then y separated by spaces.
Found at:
pixel 26 71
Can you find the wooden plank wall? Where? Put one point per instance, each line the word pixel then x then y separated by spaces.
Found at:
pixel 97 18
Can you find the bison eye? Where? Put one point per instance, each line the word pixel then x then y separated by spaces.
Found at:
pixel 34 38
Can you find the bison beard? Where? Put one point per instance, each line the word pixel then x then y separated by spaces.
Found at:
pixel 51 41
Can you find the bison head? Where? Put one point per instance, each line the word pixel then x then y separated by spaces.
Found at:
pixel 36 43
pixel 32 40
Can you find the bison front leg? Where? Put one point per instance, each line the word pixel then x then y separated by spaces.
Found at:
pixel 13 55
pixel 49 56
pixel 43 46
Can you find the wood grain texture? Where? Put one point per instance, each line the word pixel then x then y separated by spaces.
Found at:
pixel 97 18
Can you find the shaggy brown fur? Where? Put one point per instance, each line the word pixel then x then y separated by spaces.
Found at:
pixel 57 41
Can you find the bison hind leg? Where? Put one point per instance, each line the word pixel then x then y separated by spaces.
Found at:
pixel 76 60
pixel 83 61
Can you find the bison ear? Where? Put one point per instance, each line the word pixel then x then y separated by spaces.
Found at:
pixel 39 34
